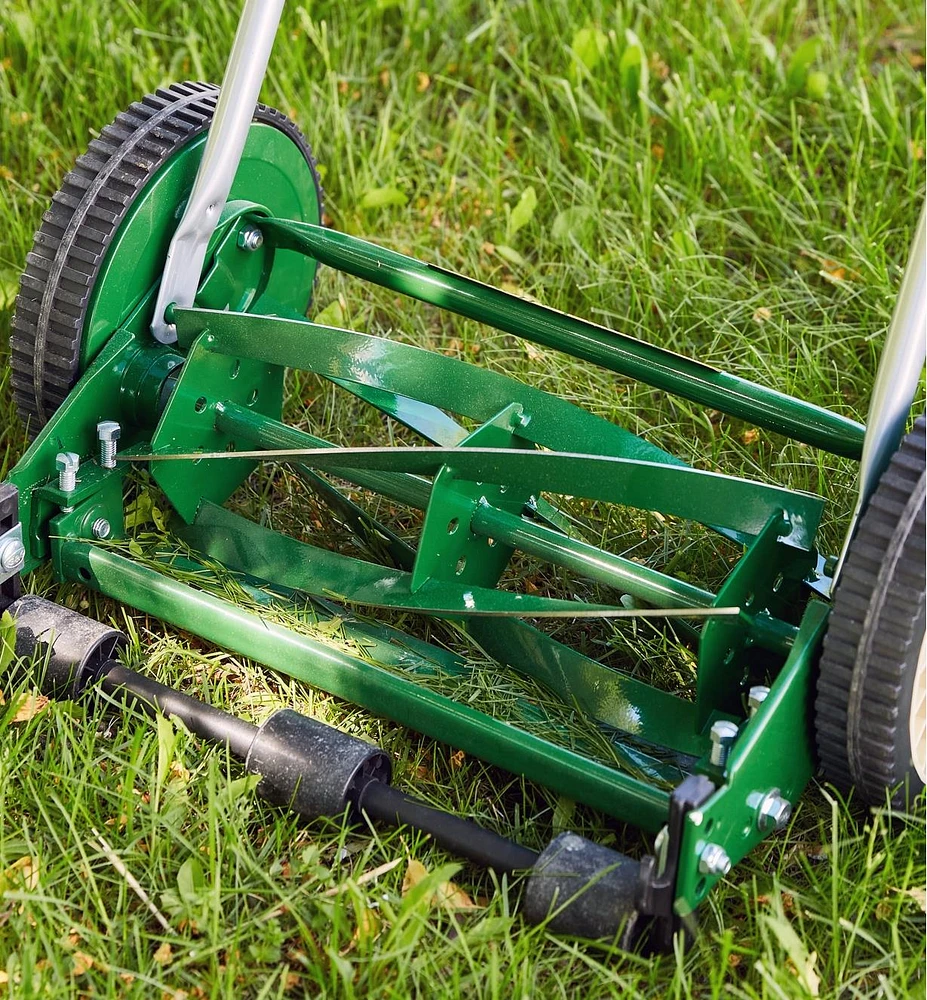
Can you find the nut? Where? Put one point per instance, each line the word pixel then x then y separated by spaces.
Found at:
pixel 774 812
pixel 251 238
pixel 714 860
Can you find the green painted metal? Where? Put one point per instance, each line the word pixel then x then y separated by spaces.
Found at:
pixel 612 699
pixel 615 351
pixel 272 172
pixel 242 424
pixel 447 548
pixel 529 536
pixel 188 422
pixel 766 583
pixel 624 575
pixel 98 396
pixel 239 543
pixel 772 751
pixel 434 379
pixel 220 391
pixel 364 684
pixel 673 489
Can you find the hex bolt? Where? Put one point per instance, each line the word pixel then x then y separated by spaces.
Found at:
pixel 774 812
pixel 67 463
pixel 251 238
pixel 714 860
pixel 108 432
pixel 755 697
pixel 12 555
pixel 723 734
pixel 101 528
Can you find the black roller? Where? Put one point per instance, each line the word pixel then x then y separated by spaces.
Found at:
pixel 310 767
pixel 583 889
pixel 459 836
pixel 72 647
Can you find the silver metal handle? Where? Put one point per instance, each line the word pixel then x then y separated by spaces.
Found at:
pixel 241 86
pixel 896 379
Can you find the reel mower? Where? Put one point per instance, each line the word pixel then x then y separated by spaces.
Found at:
pixel 147 346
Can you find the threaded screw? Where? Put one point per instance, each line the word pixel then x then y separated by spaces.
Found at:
pixel 101 528
pixel 723 734
pixel 108 432
pixel 714 860
pixel 67 463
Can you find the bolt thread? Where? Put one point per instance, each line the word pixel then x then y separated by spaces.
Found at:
pixel 719 753
pixel 108 454
pixel 101 528
pixel 67 480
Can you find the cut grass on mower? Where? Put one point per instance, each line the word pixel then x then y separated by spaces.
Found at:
pixel 735 181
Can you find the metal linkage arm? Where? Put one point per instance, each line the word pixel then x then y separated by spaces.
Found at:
pixel 241 86
pixel 615 351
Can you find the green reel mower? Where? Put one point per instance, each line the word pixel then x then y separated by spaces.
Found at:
pixel 164 298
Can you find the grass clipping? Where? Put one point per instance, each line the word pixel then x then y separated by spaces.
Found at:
pixel 472 679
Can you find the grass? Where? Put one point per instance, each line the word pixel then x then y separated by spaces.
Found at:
pixel 738 181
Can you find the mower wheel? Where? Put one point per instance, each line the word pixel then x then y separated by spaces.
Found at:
pixel 57 289
pixel 871 706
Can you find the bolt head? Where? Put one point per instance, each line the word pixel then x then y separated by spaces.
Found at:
pixel 250 238
pixel 756 696
pixel 108 430
pixel 774 812
pixel 723 732
pixel 12 555
pixel 714 860
pixel 67 461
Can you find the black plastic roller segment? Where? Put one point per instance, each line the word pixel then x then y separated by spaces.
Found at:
pixel 584 889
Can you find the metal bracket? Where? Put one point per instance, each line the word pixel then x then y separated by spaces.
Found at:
pixel 657 889
pixel 11 543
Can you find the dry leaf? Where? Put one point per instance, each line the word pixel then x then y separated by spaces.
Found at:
pixel 457 759
pixel 29 707
pixel 415 872
pixel 447 895
pixel 451 897
pixel 422 82
pixel 164 954
pixel 22 874
pixel 82 962
pixel 811 978
pixel 762 314
pixel 917 894
pixel 4 977
pixel 750 436
pixel 657 151
pixel 368 927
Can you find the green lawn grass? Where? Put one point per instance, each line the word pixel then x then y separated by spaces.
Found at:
pixel 737 181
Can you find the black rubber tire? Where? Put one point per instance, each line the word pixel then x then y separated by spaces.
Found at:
pixel 866 681
pixel 70 245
